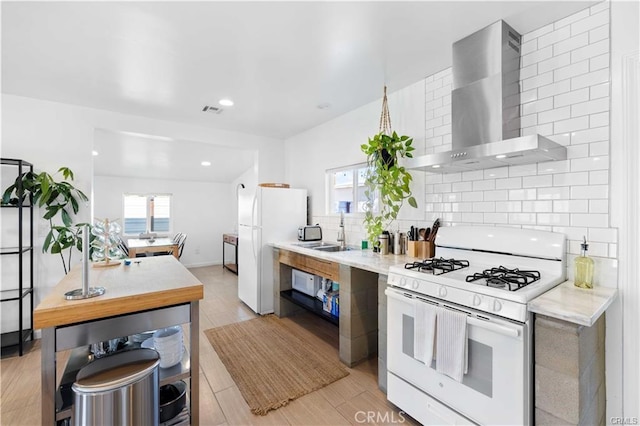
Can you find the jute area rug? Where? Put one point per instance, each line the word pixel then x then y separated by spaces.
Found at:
pixel 272 364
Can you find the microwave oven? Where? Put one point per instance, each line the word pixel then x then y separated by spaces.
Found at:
pixel 305 283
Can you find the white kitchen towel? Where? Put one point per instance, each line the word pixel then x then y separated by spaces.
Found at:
pixel 424 332
pixel 451 351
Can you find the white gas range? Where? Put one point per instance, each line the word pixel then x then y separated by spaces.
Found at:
pixel 489 274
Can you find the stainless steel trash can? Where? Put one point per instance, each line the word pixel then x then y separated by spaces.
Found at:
pixel 121 389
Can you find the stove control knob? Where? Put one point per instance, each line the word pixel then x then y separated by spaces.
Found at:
pixel 403 281
pixel 497 305
pixel 442 291
pixel 476 300
pixel 415 284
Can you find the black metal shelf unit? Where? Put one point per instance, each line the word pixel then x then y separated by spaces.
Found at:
pixel 23 290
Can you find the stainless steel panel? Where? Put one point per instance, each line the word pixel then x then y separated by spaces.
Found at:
pixel 477 56
pixel 476 113
pixel 76 335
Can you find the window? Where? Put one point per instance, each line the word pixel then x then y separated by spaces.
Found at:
pixel 345 189
pixel 147 213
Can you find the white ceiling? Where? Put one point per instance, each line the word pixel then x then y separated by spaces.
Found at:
pixel 124 154
pixel 277 60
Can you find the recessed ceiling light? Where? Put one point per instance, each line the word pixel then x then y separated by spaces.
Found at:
pixel 206 163
pixel 225 102
pixel 501 156
pixel 94 153
pixel 436 166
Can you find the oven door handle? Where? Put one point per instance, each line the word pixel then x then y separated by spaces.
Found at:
pixel 507 331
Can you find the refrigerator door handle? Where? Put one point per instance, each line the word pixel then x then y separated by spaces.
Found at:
pixel 253 210
pixel 253 226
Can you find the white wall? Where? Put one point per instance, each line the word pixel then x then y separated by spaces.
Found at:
pixel 51 134
pixel 202 210
pixel 565 79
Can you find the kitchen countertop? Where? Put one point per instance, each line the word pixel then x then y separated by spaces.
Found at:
pixel 573 304
pixel 148 283
pixel 361 259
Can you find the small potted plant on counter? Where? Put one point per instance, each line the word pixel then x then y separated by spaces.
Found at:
pixel 387 183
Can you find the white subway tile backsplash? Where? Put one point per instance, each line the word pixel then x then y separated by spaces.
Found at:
pixel 472 218
pixel 433 85
pixel 537 106
pixel 575 69
pixel 590 192
pixel 570 44
pixel 497 195
pixel 523 170
pixel 603 5
pixel 529 120
pixel 509 206
pixel 432 124
pixel 509 183
pixel 590 79
pixel 442 130
pixel 442 91
pixel 537 56
pixel 537 181
pixel 572 97
pixel 537 206
pixel 591 135
pixel 472 175
pixel 442 187
pixel 571 18
pixel 542 129
pixel 613 250
pixel 498 218
pixel 484 185
pixel 593 21
pixel 473 196
pixel 462 186
pixel 570 206
pixel 571 125
pixel 577 151
pixel 462 207
pixel 572 233
pixel 522 194
pixel 590 220
pixel 599 148
pixel 590 107
pixel 445 73
pixel 522 218
pixel 554 62
pixel 529 95
pixel 603 235
pixel 498 172
pixel 529 46
pixel 451 177
pixel 554 193
pixel 599 62
pixel 556 114
pixel 537 81
pixel 590 51
pixel 599 91
pixel 598 206
pixel 484 207
pixel 553 219
pixel 554 36
pixel 433 198
pixel 431 178
pixel 568 179
pixel 452 197
pixel 599 33
pixel 599 177
pixel 553 167
pixel 591 163
pixel 599 120
pixel 556 88
pixel 529 71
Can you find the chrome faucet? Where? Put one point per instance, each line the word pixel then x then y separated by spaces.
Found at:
pixel 341 236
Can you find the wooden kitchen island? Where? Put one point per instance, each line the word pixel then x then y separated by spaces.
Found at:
pixel 151 293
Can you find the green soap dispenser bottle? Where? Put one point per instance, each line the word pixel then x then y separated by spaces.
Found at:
pixel 584 268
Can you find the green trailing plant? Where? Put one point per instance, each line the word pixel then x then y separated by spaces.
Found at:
pixel 386 180
pixel 60 200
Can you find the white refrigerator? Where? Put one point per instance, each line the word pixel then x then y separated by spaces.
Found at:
pixel 265 215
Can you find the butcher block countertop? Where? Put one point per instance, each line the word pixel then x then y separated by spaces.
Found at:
pixel 148 283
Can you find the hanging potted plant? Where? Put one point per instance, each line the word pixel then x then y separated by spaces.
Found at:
pixel 60 200
pixel 387 183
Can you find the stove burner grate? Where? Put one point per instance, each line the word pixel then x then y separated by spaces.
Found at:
pixel 501 277
pixel 438 266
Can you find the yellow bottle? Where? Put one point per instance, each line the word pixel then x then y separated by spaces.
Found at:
pixel 584 268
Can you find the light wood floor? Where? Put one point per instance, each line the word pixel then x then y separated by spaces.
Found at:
pixel 354 399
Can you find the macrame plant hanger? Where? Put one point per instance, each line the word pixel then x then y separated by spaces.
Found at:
pixel 385 119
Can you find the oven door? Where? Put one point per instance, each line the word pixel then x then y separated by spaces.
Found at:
pixel 496 388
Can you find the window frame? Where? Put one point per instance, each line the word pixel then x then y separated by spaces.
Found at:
pixel 329 188
pixel 149 196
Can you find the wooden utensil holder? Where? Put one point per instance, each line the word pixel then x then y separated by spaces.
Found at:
pixel 421 249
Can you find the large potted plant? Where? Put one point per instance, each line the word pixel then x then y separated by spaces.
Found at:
pixel 60 200
pixel 386 179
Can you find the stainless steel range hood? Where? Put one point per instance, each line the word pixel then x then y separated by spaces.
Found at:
pixel 485 112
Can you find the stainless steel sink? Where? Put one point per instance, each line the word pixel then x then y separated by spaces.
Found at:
pixel 333 248
pixel 323 246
